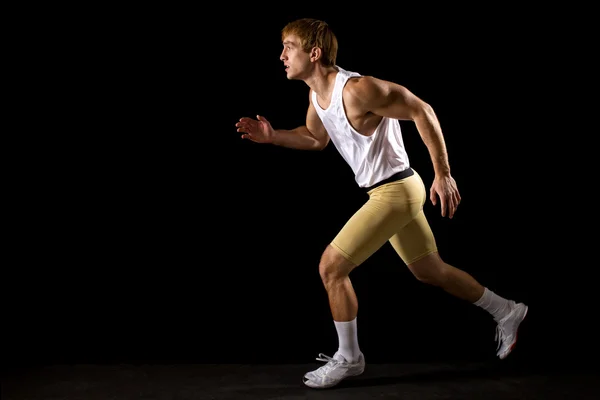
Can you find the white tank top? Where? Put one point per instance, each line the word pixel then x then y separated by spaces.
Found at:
pixel 372 158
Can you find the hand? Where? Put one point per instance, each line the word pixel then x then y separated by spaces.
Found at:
pixel 258 130
pixel 445 188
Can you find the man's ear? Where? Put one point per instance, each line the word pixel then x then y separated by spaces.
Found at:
pixel 315 54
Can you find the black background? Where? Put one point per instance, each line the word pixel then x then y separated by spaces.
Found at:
pixel 148 231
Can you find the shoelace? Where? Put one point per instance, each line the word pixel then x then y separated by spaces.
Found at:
pixel 500 335
pixel 331 363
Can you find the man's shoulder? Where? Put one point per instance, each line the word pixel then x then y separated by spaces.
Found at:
pixel 358 85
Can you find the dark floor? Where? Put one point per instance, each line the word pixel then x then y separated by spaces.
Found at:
pixel 229 381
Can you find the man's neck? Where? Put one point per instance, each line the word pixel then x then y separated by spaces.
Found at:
pixel 322 81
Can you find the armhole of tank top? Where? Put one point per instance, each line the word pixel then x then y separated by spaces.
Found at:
pixel 343 110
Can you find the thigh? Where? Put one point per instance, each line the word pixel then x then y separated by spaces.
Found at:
pixel 389 209
pixel 365 232
pixel 415 240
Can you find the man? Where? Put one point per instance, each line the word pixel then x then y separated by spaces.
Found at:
pixel 360 115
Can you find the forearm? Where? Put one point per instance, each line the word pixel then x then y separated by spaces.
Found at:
pixel 431 133
pixel 299 138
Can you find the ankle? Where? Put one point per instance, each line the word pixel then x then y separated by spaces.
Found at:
pixel 348 340
pixel 497 306
pixel 351 355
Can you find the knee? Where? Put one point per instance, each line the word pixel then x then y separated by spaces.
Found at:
pixel 329 271
pixel 333 266
pixel 430 270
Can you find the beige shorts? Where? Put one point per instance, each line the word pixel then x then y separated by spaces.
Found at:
pixel 394 213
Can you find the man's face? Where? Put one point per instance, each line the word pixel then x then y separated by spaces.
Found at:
pixel 296 61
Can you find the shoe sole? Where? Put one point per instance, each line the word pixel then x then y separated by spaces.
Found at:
pixel 304 380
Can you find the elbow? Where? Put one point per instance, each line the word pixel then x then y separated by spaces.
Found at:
pixel 424 111
pixel 322 144
pixel 318 146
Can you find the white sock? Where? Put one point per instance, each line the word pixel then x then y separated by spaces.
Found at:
pixel 348 340
pixel 498 306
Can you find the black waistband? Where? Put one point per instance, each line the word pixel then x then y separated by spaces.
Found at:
pixel 396 177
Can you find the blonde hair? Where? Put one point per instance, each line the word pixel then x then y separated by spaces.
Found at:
pixel 314 33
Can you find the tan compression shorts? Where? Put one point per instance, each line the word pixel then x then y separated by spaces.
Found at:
pixel 393 212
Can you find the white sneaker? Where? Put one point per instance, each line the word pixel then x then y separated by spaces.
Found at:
pixel 506 331
pixel 332 373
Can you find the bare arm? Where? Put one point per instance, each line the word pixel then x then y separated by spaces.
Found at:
pixel 392 100
pixel 311 136
pixel 388 99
